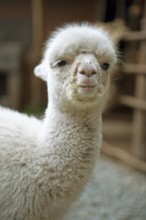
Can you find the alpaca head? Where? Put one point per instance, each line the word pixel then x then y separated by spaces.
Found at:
pixel 77 63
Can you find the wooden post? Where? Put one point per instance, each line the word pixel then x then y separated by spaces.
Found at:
pixel 120 9
pixel 101 10
pixel 139 136
pixel 37 26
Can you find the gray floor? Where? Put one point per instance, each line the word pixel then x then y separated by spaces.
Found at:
pixel 115 192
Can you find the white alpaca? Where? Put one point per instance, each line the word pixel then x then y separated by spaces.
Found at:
pixel 44 164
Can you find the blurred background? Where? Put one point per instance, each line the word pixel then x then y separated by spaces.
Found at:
pixel 25 26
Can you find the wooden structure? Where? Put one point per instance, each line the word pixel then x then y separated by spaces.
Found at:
pixel 138 101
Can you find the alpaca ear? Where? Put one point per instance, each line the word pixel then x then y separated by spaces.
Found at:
pixel 40 71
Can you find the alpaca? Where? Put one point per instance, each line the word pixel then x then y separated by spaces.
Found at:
pixel 45 164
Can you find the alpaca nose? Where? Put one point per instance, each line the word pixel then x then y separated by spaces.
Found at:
pixel 87 69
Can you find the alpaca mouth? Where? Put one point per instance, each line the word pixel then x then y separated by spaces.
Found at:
pixel 87 88
pixel 86 84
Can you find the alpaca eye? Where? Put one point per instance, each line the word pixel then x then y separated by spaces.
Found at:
pixel 105 66
pixel 62 63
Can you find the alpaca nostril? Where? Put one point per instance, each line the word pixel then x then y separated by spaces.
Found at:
pixel 82 72
pixel 93 72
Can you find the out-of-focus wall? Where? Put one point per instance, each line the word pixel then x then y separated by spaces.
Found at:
pixel 16 30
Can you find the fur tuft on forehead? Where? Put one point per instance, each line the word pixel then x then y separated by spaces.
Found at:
pixel 73 39
pixel 77 36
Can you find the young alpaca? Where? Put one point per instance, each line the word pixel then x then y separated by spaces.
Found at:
pixel 44 164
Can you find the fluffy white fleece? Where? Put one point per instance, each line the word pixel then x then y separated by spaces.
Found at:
pixel 44 164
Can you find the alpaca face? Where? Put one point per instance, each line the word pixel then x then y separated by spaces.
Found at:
pixel 82 79
pixel 77 65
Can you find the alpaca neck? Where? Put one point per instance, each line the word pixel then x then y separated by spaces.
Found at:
pixel 70 129
pixel 70 143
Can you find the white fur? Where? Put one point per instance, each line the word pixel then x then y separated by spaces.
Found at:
pixel 44 164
